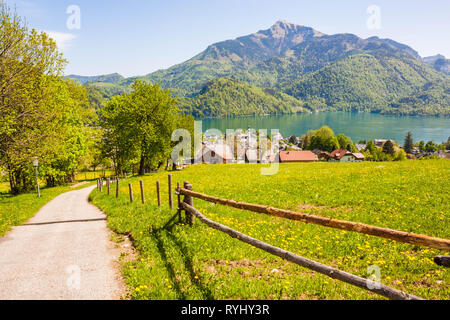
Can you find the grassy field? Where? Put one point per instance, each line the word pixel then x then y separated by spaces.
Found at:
pixel 92 175
pixel 16 210
pixel 181 262
pixel 4 187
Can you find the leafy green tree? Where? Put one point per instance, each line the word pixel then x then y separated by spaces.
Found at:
pixel 323 139
pixel 41 115
pixel 422 146
pixel 344 141
pixel 139 125
pixel 330 144
pixel 352 148
pixel 373 153
pixel 431 147
pixel 388 148
pixel 306 142
pixel 401 155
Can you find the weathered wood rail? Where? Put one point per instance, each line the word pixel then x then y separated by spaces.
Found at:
pixel 331 272
pixel 401 236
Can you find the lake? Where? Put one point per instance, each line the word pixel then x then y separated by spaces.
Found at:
pixel 357 126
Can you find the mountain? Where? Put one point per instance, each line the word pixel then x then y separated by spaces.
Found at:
pixel 439 63
pixel 108 78
pixel 229 97
pixel 363 82
pixel 432 98
pixel 326 72
pixel 232 57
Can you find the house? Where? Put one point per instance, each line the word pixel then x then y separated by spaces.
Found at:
pixel 269 157
pixel 215 154
pixel 359 157
pixel 342 155
pixel 321 155
pixel 297 156
pixel 379 142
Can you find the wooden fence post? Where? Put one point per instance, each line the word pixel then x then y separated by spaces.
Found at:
pixel 179 202
pixel 108 183
pixel 158 193
pixel 170 193
pixel 101 185
pixel 142 191
pixel 190 201
pixel 98 186
pixel 117 187
pixel 130 187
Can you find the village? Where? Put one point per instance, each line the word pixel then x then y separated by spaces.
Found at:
pixel 248 147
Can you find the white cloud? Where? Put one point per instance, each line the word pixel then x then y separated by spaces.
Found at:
pixel 63 40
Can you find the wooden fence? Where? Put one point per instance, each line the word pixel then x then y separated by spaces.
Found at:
pixel 401 236
pixel 376 287
pixel 191 212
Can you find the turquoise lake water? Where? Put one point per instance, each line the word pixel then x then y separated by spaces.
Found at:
pixel 358 126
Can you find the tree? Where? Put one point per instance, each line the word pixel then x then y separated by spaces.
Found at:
pixel 352 148
pixel 41 115
pixel 388 148
pixel 422 146
pixel 409 143
pixel 344 141
pixel 322 139
pixel 401 155
pixel 372 152
pixel 430 147
pixel 138 126
pixel 306 142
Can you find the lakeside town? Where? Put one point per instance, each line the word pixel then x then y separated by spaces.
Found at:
pixel 248 147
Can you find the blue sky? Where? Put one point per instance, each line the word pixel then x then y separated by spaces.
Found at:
pixel 136 37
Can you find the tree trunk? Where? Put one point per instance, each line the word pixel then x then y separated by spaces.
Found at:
pixel 142 166
pixel 167 164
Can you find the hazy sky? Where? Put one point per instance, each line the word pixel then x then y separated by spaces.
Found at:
pixel 136 37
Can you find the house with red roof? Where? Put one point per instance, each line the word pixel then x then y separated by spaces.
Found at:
pixel 342 155
pixel 297 156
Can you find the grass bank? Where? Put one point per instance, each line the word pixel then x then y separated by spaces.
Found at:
pixel 181 262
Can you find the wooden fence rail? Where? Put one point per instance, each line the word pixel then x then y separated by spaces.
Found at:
pixel 401 236
pixel 331 272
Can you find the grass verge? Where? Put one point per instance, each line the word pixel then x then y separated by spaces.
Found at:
pixel 181 262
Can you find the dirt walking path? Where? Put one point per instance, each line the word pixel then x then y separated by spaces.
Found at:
pixel 63 253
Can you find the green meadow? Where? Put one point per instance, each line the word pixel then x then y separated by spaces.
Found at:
pixel 177 261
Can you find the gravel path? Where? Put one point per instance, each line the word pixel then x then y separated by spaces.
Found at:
pixel 63 253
